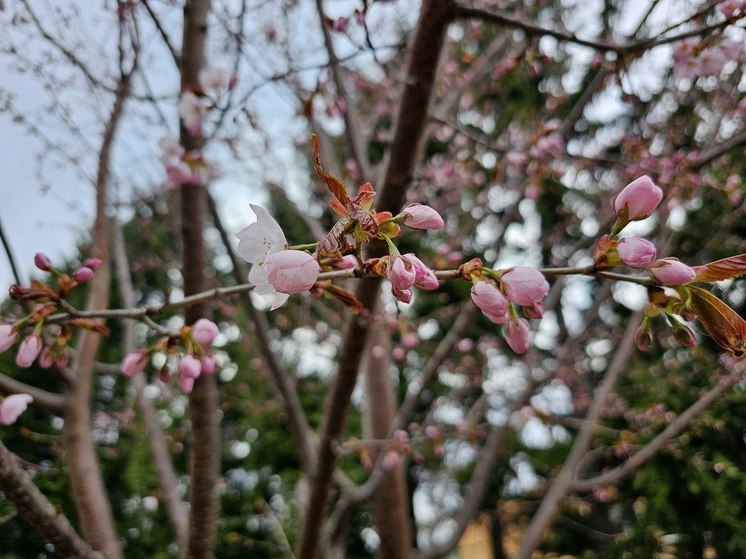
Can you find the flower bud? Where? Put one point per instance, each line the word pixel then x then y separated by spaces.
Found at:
pixel 346 263
pixel 683 334
pixel 83 275
pixel 186 383
pixel 517 335
pixel 7 336
pixel 671 271
pixel 390 460
pixel 636 252
pixel 638 199
pixel 291 271
pixel 644 336
pixel 134 363
pixel 403 295
pixel 401 273
pixel 13 406
pixel 208 364
pixel 28 351
pixel 418 216
pixel 424 277
pixel 204 331
pixel 525 286
pixel 46 359
pixel 489 299
pixel 92 263
pixel 42 262
pixel 535 312
pixel 190 366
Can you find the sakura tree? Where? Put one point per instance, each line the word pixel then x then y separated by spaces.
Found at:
pixel 488 243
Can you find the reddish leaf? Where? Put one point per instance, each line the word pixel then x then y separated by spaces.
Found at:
pixel 335 185
pixel 727 268
pixel 721 322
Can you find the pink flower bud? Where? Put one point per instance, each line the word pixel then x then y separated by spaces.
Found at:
pixel 208 364
pixel 292 271
pixel 517 335
pixel 638 199
pixel 186 383
pixel 92 263
pixel 684 335
pixel 346 263
pixel 390 460
pixel 643 337
pixel 418 216
pixel 13 406
pixel 134 363
pixel 7 336
pixel 670 271
pixel 204 331
pixel 489 299
pixel 46 359
pixel 83 275
pixel 525 286
pixel 424 277
pixel 190 366
pixel 401 273
pixel 28 351
pixel 42 262
pixel 534 312
pixel 636 252
pixel 403 295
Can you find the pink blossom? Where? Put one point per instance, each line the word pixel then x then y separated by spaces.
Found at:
pixel 209 364
pixel 28 351
pixel 418 216
pixel 292 271
pixel 204 331
pixel 638 199
pixel 525 286
pixel 42 262
pixel 489 299
pixel 46 359
pixel 179 173
pixel 424 277
pixel 258 276
pixel 7 336
pixel 171 150
pixel 134 363
pixel 13 406
pixel 191 111
pixel 186 383
pixel 401 273
pixel 636 252
pixel 83 274
pixel 190 366
pixel 517 335
pixel 671 271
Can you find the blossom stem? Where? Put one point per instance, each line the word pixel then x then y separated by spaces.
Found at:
pixel 307 246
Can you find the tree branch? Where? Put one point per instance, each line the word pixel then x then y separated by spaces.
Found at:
pixel 47 401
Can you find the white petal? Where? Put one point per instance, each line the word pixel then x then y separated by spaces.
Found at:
pixel 261 238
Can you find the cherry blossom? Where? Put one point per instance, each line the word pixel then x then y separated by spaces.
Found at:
pixel 489 299
pixel 671 271
pixel 191 110
pixel 7 336
pixel 42 262
pixel 517 335
pixel 261 238
pixel 204 331
pixel 214 79
pixel 134 363
pixel 418 216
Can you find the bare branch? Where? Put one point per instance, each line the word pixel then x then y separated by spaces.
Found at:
pixel 47 401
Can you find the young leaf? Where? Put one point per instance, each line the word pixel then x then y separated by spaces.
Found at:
pixel 723 269
pixel 721 322
pixel 335 185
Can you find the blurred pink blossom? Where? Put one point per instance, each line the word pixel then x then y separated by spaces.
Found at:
pixel 13 406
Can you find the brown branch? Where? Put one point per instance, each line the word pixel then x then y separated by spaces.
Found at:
pixel 47 401
pixel 718 150
pixel 663 438
pixel 204 461
pixel 435 17
pixel 162 31
pixel 636 47
pixel 351 118
pixel 9 255
pixel 33 506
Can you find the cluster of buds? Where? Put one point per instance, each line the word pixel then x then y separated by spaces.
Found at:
pixel 685 302
pixel 192 346
pixel 498 293
pixel 280 270
pixel 46 299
